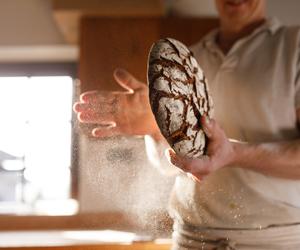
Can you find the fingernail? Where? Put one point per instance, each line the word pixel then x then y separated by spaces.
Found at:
pixel 95 132
pixel 206 126
pixel 170 156
pixel 83 98
pixel 120 73
pixel 75 107
pixel 171 152
pixel 99 132
pixel 192 177
pixel 82 116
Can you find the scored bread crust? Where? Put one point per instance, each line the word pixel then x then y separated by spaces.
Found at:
pixel 178 94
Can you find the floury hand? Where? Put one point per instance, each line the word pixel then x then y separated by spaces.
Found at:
pixel 118 113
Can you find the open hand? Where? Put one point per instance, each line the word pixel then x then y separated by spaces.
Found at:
pixel 220 153
pixel 118 113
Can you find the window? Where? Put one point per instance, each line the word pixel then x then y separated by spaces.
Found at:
pixel 35 145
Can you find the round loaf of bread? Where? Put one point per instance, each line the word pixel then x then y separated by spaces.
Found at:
pixel 178 93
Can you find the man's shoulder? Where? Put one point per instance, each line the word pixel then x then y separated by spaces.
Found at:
pixel 288 30
pixel 290 35
pixel 295 29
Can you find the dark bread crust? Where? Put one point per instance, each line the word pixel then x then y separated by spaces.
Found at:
pixel 179 97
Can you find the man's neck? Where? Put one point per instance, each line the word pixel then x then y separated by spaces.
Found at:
pixel 228 35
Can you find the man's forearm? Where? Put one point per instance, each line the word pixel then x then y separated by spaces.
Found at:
pixel 281 159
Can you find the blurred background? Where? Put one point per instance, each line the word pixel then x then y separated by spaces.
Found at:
pixel 53 175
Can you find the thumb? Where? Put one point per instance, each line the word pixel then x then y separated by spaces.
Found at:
pixel 126 80
pixel 209 126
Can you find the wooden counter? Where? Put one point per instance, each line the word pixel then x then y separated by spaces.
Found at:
pixel 136 246
pixel 159 225
pixel 79 240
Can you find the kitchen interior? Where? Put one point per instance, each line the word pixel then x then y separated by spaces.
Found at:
pixel 59 187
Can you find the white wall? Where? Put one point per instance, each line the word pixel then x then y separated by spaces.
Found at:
pixel 287 11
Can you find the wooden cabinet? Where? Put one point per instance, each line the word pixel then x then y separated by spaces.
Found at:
pixel 107 43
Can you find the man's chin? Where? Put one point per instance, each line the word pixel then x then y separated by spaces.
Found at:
pixel 237 19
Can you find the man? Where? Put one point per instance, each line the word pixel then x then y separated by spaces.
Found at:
pixel 244 194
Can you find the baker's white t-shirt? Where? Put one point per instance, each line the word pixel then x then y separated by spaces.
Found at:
pixel 256 91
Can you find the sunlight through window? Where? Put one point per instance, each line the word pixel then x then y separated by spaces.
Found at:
pixel 35 144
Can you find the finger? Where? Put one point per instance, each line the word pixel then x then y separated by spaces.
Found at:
pixel 200 166
pixel 197 178
pixel 108 131
pixel 80 107
pixel 176 161
pixel 84 96
pixel 97 110
pixel 91 117
pixel 194 178
pixel 209 126
pixel 195 166
pixel 126 80
pixel 99 96
pixel 167 154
